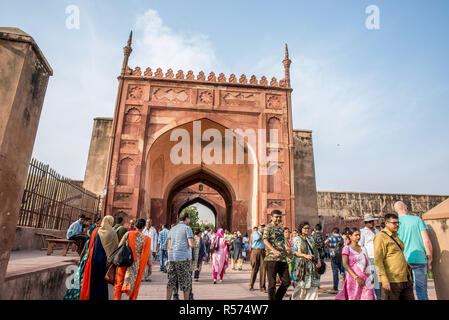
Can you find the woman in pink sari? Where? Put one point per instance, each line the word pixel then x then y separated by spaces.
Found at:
pixel 357 284
pixel 220 255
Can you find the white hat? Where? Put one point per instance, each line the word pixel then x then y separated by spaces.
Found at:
pixel 369 217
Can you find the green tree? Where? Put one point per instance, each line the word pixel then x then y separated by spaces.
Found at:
pixel 193 214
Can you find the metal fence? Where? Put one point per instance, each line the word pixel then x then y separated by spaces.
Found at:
pixel 51 201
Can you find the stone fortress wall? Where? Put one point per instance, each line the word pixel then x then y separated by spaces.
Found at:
pixel 353 205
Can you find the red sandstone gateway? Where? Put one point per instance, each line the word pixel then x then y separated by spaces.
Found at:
pixel 142 181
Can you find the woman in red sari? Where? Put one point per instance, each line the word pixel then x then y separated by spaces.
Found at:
pixel 128 279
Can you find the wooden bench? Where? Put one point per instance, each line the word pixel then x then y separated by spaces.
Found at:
pixel 65 245
pixel 44 236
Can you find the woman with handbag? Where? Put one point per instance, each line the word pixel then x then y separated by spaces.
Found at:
pixel 128 279
pixel 357 284
pixel 307 279
pixel 90 277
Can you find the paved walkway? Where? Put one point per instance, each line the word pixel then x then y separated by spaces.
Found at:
pixel 234 287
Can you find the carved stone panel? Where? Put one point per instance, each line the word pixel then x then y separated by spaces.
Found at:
pixel 239 99
pixel 274 102
pixel 135 92
pixel 171 96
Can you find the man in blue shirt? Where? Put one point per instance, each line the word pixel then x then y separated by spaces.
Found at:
pixel 257 259
pixel 418 248
pixel 75 232
pixel 179 246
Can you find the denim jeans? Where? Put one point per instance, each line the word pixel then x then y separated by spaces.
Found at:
pixel 163 259
pixel 335 274
pixel 419 274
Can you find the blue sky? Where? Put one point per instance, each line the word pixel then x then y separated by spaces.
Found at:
pixel 376 100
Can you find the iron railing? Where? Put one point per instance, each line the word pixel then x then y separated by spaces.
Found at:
pixel 51 201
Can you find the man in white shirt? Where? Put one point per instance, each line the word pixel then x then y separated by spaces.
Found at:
pixel 366 241
pixel 151 232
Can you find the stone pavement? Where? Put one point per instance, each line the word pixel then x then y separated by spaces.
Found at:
pixel 234 287
pixel 25 262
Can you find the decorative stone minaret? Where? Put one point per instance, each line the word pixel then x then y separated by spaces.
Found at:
pixel 287 62
pixel 127 52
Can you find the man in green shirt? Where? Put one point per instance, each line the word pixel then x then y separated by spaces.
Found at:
pixel 275 257
pixel 120 229
pixel 392 268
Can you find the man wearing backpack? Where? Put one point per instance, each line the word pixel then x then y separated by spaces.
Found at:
pixel 335 244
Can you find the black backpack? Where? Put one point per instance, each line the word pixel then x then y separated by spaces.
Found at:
pixel 122 256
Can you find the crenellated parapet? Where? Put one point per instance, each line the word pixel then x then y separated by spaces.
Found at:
pixel 201 76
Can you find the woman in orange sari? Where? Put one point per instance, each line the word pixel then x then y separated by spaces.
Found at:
pixel 128 279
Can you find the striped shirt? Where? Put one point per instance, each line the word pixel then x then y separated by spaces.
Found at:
pixel 163 236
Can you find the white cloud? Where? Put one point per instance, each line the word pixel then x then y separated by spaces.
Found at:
pixel 157 45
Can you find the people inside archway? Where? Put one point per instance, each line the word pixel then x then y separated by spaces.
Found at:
pixel 120 229
pixel 392 267
pixel 246 249
pixel 162 248
pixel 367 235
pixel 418 248
pixel 128 279
pixel 219 250
pixel 199 253
pixel 151 232
pixel 89 282
pixel 227 236
pixel 206 242
pixel 334 241
pixel 236 244
pixel 275 257
pixel 258 259
pixel 307 279
pixel 75 232
pixel 357 284
pixel 180 242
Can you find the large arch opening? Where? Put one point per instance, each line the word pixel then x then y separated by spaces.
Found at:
pixel 211 207
pixel 201 176
pixel 235 183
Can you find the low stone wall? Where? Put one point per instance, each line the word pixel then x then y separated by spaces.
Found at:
pixel 46 284
pixel 27 239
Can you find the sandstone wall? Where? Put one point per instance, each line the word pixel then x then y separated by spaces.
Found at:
pixel 95 175
pixel 305 184
pixel 353 205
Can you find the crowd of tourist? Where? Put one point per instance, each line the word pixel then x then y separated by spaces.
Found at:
pixel 366 263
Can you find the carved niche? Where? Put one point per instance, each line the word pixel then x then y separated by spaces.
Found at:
pixel 171 95
pixel 131 121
